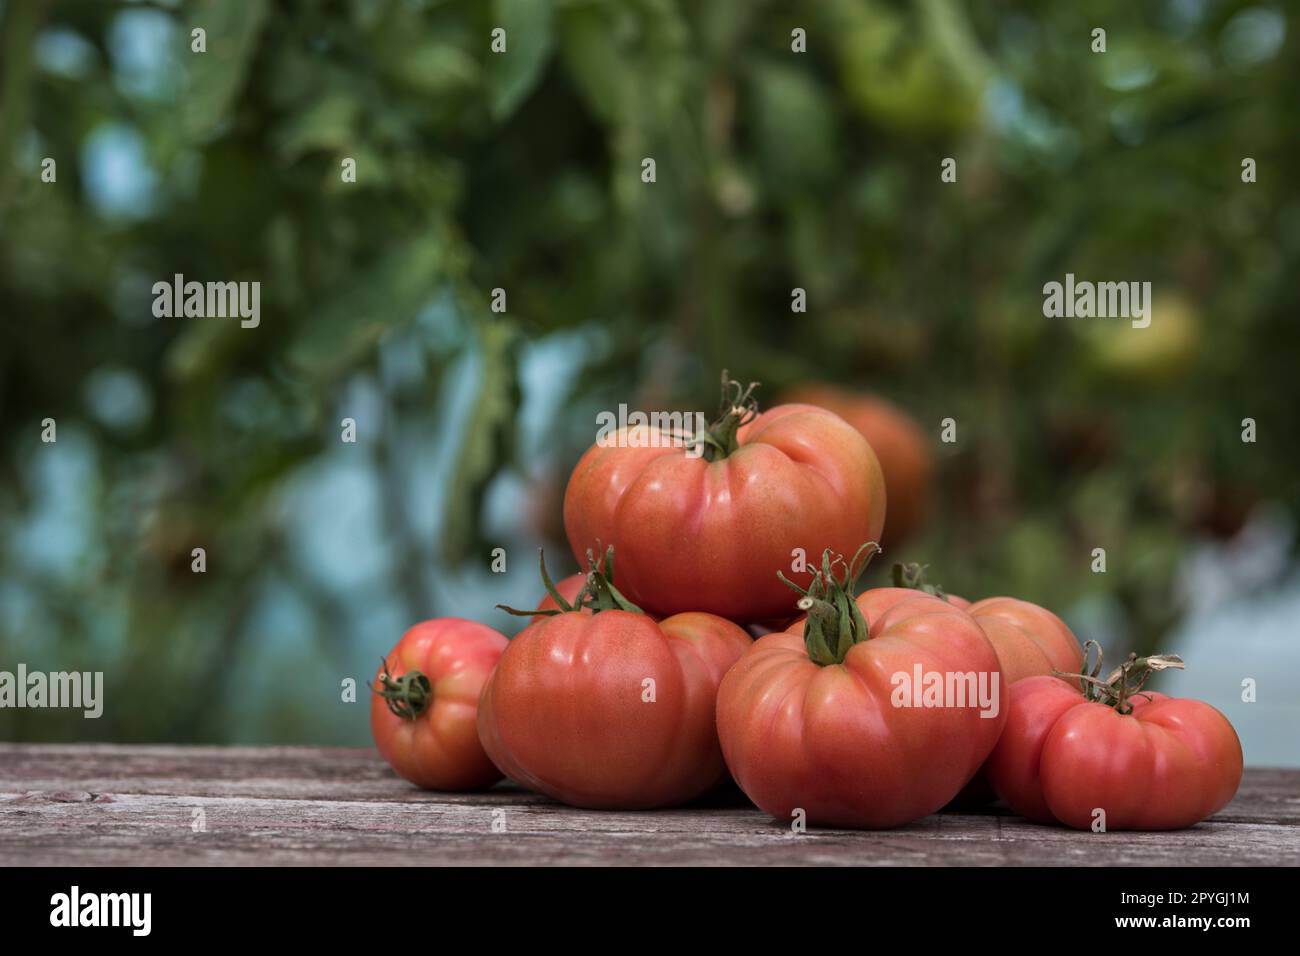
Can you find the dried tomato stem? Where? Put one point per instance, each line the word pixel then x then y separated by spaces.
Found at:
pixel 1123 683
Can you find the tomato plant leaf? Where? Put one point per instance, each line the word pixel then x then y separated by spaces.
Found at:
pixel 215 77
pixel 512 75
pixel 489 438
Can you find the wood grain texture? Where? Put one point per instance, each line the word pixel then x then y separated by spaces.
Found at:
pixel 129 805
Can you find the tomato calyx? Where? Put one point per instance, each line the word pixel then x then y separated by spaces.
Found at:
pixel 1125 682
pixel 598 592
pixel 835 622
pixel 738 407
pixel 407 696
pixel 913 576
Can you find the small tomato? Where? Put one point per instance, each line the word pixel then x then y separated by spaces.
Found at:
pixel 424 709
pixel 1147 761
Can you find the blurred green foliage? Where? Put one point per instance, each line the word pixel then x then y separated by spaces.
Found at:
pixel 522 171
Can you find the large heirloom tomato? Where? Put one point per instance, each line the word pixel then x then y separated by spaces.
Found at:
pixel 1147 761
pixel 899 443
pixel 423 713
pixel 602 706
pixel 729 510
pixel 868 714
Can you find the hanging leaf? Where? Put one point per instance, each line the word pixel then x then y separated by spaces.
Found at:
pixel 594 59
pixel 796 127
pixel 215 77
pixel 490 435
pixel 529 26
pixel 328 124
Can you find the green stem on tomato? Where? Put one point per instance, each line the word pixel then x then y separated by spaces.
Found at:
pixel 563 605
pixel 835 622
pixel 598 592
pixel 603 596
pixel 407 696
pixel 737 408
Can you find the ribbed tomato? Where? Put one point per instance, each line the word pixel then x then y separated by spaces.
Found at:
pixel 605 707
pixel 1114 756
pixel 836 718
pixel 730 511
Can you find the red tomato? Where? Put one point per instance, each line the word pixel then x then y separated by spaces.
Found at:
pixel 836 731
pixel 1030 640
pixel 423 713
pixel 708 533
pixel 1150 762
pixel 899 443
pixel 611 709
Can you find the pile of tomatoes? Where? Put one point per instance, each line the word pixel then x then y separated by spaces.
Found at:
pixel 852 710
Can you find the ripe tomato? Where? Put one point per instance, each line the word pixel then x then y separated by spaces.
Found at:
pixel 765 485
pixel 423 711
pixel 829 717
pixel 604 707
pixel 900 445
pixel 1030 640
pixel 1150 762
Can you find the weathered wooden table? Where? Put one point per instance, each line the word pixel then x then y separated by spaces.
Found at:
pixel 165 805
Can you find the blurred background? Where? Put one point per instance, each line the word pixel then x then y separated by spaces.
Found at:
pixel 775 170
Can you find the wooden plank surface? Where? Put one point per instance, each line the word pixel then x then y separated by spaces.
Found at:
pixel 127 805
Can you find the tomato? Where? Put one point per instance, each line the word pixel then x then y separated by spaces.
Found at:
pixel 1162 352
pixel 900 445
pixel 424 710
pixel 709 532
pixel 828 717
pixel 605 707
pixel 902 73
pixel 1030 640
pixel 1150 762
